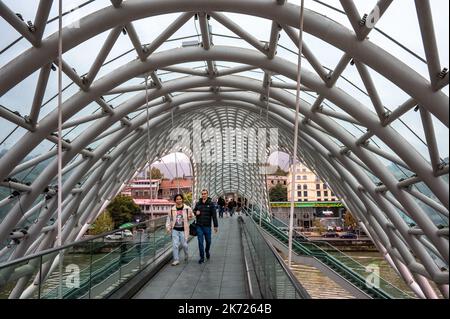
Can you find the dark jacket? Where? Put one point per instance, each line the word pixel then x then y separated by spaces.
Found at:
pixel 221 202
pixel 207 212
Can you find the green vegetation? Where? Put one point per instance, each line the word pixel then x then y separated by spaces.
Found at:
pixel 278 193
pixel 280 172
pixel 155 173
pixel 318 226
pixel 188 198
pixel 103 224
pixel 349 220
pixel 122 209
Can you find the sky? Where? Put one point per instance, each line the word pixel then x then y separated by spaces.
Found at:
pixel 400 22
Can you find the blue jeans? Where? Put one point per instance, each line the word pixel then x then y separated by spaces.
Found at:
pixel 177 240
pixel 203 233
pixel 221 209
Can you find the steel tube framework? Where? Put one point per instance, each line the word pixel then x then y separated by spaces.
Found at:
pixel 112 145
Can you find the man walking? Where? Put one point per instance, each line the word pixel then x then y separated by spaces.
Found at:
pixel 221 203
pixel 205 211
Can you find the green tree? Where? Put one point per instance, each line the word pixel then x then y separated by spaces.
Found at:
pixel 156 173
pixel 188 198
pixel 103 224
pixel 280 172
pixel 319 226
pixel 278 193
pixel 122 209
pixel 349 220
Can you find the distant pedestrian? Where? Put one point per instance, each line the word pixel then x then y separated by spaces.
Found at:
pixel 206 214
pixel 239 207
pixel 178 224
pixel 231 207
pixel 221 203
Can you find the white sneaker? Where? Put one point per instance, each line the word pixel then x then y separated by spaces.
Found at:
pixel 175 263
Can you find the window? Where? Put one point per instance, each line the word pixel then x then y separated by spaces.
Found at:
pixel 299 194
pixel 317 186
pixel 304 170
pixel 299 186
pixel 298 177
pixel 325 193
pixel 319 193
pixel 319 200
pixel 325 186
pixel 305 177
pixel 305 186
pixel 305 200
pixel 305 194
pixel 284 183
pixel 325 199
pixel 272 182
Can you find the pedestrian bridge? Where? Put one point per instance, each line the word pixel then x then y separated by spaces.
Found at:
pixel 246 263
pixel 92 94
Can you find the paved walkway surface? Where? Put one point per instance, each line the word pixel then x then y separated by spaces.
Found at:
pixel 222 277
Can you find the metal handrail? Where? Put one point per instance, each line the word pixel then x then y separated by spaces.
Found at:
pixel 337 262
pixel 331 259
pixel 57 249
pixel 246 267
pixel 294 281
pixel 110 264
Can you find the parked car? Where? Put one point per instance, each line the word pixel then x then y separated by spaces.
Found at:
pixel 127 233
pixel 115 236
pixel 330 235
pixel 349 236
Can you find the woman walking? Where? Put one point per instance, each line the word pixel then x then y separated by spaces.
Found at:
pixel 178 223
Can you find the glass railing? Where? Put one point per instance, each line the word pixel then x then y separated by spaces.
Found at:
pixel 91 269
pixel 350 269
pixel 275 279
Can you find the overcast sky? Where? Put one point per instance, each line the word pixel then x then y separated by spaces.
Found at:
pixel 400 22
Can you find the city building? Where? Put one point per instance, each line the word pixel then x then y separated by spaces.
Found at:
pixel 273 180
pixel 308 187
pixel 305 213
pixel 154 208
pixel 169 188
pixel 140 188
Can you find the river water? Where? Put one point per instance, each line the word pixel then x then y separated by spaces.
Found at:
pixel 386 271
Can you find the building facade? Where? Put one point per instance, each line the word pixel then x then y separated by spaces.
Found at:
pixel 308 187
pixel 155 197
pixel 169 188
pixel 140 188
pixel 154 208
pixel 305 213
pixel 274 180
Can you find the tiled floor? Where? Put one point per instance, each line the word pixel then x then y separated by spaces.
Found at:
pixel 222 277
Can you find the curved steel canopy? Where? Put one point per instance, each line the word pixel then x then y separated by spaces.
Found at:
pixel 113 143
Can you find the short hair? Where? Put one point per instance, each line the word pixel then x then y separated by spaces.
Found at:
pixel 205 190
pixel 175 197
